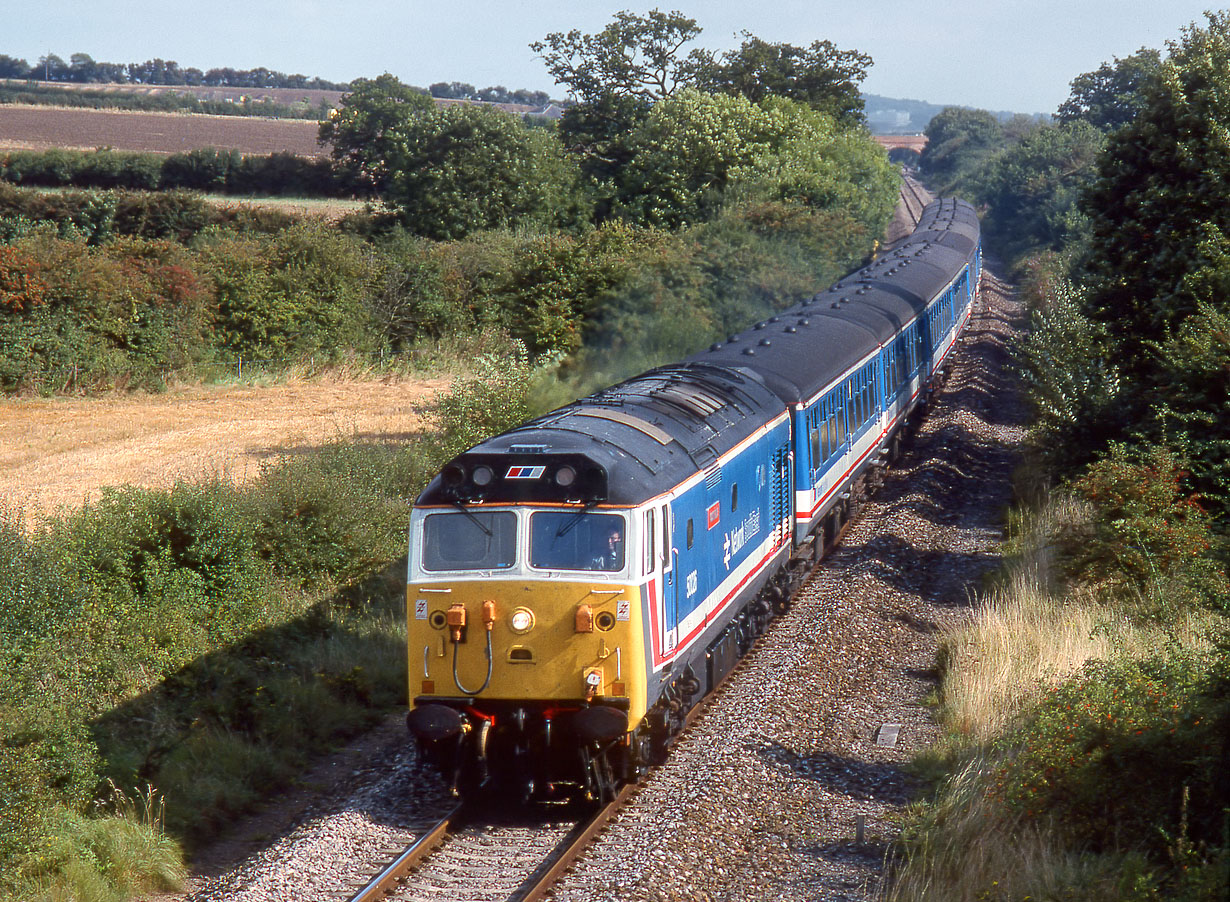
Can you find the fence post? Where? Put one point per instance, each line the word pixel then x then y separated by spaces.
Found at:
pixel 240 370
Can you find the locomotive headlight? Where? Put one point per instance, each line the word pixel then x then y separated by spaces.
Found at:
pixel 522 620
pixel 482 476
pixel 565 476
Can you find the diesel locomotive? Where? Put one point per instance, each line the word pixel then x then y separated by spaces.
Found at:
pixel 578 583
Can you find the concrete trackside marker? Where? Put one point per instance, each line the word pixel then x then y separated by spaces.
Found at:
pixel 887 735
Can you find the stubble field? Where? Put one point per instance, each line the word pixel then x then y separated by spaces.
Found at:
pixel 57 453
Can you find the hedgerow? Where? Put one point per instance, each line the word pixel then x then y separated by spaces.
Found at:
pixel 203 169
pixel 207 639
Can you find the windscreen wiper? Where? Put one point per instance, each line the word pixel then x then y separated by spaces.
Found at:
pixel 563 530
pixel 477 522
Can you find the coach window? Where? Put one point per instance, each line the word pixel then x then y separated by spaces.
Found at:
pixel 734 497
pixel 817 455
pixel 689 532
pixel 469 541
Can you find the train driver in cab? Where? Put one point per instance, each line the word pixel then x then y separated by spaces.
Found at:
pixel 608 551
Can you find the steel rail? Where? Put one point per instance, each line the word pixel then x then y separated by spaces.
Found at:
pixel 382 884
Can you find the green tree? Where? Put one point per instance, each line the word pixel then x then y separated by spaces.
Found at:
pixel 1034 187
pixel 464 168
pixel 695 148
pixel 1190 402
pixel 596 135
pixel 819 75
pixel 959 141
pixel 1158 207
pixel 1110 96
pixel 634 56
pixel 364 130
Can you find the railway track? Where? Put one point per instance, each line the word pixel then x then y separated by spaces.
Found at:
pixel 915 197
pixel 473 857
pixel 470 857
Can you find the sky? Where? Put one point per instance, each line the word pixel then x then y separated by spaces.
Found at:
pixel 1015 55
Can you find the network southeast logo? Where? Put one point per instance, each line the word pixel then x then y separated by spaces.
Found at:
pixel 525 472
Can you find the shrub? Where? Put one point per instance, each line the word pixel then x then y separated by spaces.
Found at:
pixel 1076 395
pixel 298 292
pixel 1146 528
pixel 492 400
pixel 1140 725
pixel 331 515
pixel 202 169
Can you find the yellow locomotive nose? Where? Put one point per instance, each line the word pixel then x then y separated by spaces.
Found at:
pixel 566 642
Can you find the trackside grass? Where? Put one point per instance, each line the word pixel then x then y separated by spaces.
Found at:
pixel 1086 739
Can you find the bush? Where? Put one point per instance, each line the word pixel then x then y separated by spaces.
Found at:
pixel 1075 394
pixel 203 169
pixel 299 292
pixel 494 399
pixel 1146 529
pixel 1146 726
pixel 335 515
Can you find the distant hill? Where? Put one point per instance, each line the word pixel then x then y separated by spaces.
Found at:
pixel 895 116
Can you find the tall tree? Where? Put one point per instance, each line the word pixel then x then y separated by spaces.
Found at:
pixel 12 67
pixel 1158 207
pixel 958 141
pixel 820 75
pixel 464 168
pixel 1034 187
pixel 367 129
pixel 695 149
pixel 1111 96
pixel 635 56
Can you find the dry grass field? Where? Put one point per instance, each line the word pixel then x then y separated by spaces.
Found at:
pixel 57 453
pixel 44 128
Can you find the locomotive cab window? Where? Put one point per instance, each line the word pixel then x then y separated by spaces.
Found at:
pixel 575 540
pixel 473 540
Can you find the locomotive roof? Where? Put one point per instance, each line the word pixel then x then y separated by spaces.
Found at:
pixel 646 435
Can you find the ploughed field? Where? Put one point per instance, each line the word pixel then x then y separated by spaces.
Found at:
pixel 57 453
pixel 44 128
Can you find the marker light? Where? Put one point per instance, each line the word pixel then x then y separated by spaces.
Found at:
pixel 522 620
